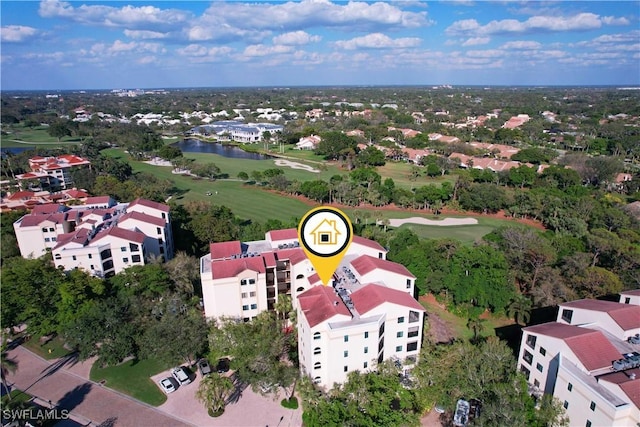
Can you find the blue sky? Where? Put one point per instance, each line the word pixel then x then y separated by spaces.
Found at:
pixel 55 44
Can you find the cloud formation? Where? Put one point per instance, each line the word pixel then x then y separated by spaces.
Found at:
pixel 16 33
pixel 296 38
pixel 377 41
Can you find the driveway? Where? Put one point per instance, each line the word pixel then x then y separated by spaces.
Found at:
pixel 248 410
pixel 88 402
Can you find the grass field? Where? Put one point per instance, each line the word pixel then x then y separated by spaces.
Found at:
pixel 133 379
pixel 467 234
pixel 400 172
pixel 53 349
pixel 37 136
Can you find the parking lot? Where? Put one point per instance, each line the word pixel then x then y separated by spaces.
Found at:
pixel 248 410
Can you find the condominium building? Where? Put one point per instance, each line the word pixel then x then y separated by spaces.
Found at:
pixel 102 236
pixel 52 173
pixel 589 359
pixel 367 313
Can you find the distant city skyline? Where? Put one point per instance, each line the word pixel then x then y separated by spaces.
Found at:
pixel 57 45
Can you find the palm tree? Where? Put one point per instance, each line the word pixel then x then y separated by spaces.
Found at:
pixel 213 392
pixel 520 309
pixel 477 326
pixel 7 365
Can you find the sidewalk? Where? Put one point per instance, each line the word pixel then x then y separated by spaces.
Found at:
pixel 62 383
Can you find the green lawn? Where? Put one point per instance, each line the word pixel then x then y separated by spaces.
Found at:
pixel 51 350
pixel 400 172
pixel 467 234
pixel 133 378
pixel 38 136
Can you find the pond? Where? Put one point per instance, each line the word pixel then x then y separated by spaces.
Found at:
pixel 197 146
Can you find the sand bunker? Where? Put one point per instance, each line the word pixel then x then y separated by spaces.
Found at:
pixel 397 222
pixel 295 165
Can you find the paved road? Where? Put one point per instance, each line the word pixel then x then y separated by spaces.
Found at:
pixel 88 401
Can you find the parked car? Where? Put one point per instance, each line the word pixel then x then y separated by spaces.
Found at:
pixel 634 339
pixel 204 367
pixel 168 385
pixel 461 416
pixel 181 375
pixel 223 365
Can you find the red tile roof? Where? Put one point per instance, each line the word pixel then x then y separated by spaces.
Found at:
pixel 80 236
pixel 148 203
pixel 98 200
pixel 269 259
pixel 635 292
pixel 77 194
pixel 286 234
pixel 371 296
pixel 365 264
pixel 221 250
pixel 627 316
pixel 632 390
pixel 368 243
pixel 293 253
pixel 133 236
pixel 321 303
pixel 35 220
pixel 233 267
pixel 297 257
pixel 139 216
pixel 19 195
pixel 591 347
pixel 47 208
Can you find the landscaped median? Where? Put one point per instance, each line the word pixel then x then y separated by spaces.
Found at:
pixel 132 378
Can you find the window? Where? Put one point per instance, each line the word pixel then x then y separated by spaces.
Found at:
pixel 528 357
pixel 299 276
pixel 254 306
pixel 317 380
pixel 565 405
pixel 245 307
pixel 317 365
pixel 365 365
pixel 567 315
pixel 252 294
pixel 51 229
pixel 252 281
pixel 380 255
pixel 133 247
pixel 401 319
pixel 44 229
pixel 163 216
pixel 413 332
pixel 543 351
pixel 54 239
pixel 243 295
pixel 531 341
pixel 588 424
pixel 570 387
pixel 525 371
pixel 125 260
pixel 536 383
pixel 316 336
pixel 317 350
pixel 90 256
pixel 593 406
pixel 399 334
pixel 366 350
pixel 346 338
pixel 73 257
pixel 243 282
pixel 346 353
pixel 57 256
pixel 346 368
pixel 123 249
pixel 47 239
pixel 398 348
pixel 414 316
pixel 627 300
pixel 158 230
pixel 408 283
pixel 366 334
pixel 135 258
pixel 412 346
pixel 539 367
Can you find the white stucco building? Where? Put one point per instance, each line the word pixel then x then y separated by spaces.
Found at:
pixel 367 314
pixel 102 237
pixel 587 361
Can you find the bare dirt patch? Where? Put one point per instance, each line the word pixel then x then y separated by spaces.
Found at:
pixel 397 222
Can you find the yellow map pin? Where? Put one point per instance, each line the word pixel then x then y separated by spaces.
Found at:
pixel 325 234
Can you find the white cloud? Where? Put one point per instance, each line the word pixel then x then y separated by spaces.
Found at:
pixel 119 47
pixel 352 16
pixel 489 53
pixel 296 38
pixel 377 41
pixel 263 50
pixel 16 33
pixel 579 22
pixel 612 20
pixel 476 41
pixel 521 45
pixel 144 34
pixel 143 17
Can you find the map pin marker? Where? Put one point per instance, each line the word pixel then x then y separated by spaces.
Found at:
pixel 325 234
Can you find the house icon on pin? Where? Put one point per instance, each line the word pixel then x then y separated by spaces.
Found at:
pixel 325 233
